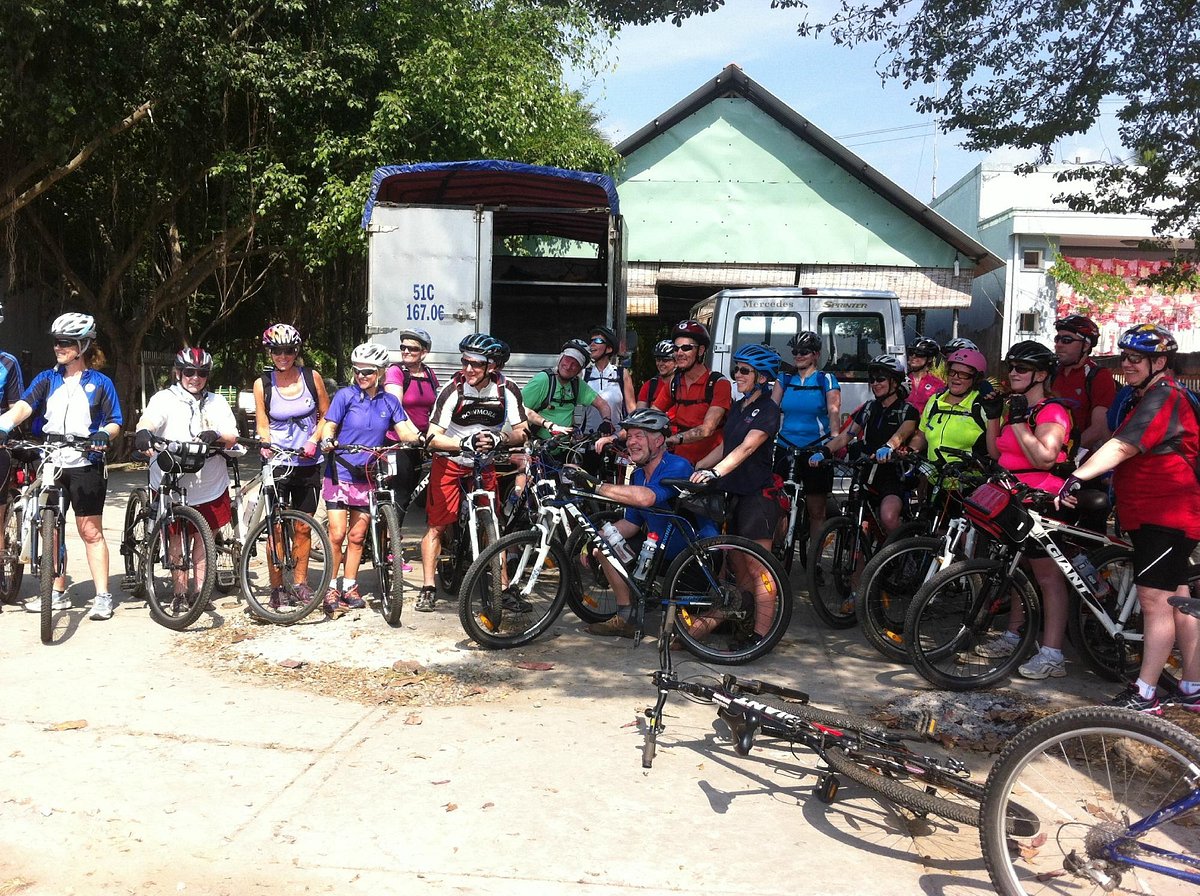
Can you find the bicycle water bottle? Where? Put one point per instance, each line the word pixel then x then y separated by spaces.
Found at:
pixel 615 541
pixel 646 557
pixel 1087 571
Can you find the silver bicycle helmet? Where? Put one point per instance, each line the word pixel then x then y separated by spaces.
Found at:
pixel 371 354
pixel 74 326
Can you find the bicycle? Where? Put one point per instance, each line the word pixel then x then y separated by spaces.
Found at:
pixel 477 525
pixel 1109 799
pixel 795 536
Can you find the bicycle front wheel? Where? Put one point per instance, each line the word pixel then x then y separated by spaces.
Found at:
pixel 1061 800
pixel 389 564
pixel 734 599
pixel 181 568
pixel 957 618
pixel 285 566
pixel 48 571
pixel 591 597
pixel 11 567
pixel 835 561
pixel 886 588
pixel 134 539
pixel 512 593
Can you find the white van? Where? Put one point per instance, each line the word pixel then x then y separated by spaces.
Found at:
pixel 854 325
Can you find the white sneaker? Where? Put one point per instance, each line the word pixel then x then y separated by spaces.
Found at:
pixel 996 648
pixel 1041 666
pixel 62 602
pixel 102 607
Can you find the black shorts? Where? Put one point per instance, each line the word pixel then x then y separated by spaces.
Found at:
pixel 1160 557
pixel 300 489
pixel 886 481
pixel 86 489
pixel 754 516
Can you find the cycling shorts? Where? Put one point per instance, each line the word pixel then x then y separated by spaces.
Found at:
pixel 300 488
pixel 218 512
pixel 444 493
pixel 1160 557
pixel 755 516
pixel 86 489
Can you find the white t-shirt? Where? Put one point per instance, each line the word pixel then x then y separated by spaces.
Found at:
pixel 177 415
pixel 609 385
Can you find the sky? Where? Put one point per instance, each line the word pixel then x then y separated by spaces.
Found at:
pixel 653 67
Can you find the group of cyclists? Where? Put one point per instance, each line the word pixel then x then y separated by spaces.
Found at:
pixel 1054 407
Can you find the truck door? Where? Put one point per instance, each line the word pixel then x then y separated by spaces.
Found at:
pixel 430 268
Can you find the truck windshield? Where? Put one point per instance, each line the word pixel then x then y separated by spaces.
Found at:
pixel 849 342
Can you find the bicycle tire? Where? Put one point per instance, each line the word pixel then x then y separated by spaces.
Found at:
pixel 918 528
pixel 726 629
pixel 947 621
pixel 391 566
pixel 787 553
pixel 450 565
pixel 886 588
pixel 649 745
pixel 917 798
pixel 590 597
pixel 228 578
pixel 833 558
pixel 1103 654
pixel 257 565
pixel 481 609
pixel 162 587
pixel 11 567
pixel 135 537
pixel 1088 773
pixel 47 571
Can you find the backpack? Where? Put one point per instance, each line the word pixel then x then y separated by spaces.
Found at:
pixel 551 376
pixel 268 386
pixel 1194 401
pixel 709 387
pixel 407 377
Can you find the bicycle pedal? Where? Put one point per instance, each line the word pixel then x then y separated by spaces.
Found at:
pixel 827 788
pixel 927 725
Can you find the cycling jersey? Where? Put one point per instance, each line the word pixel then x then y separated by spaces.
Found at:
pixel 292 421
pixel 669 467
pixel 754 473
pixel 76 407
pixel 923 390
pixel 878 423
pixel 689 405
pixel 805 406
pixel 178 415
pixel 1013 457
pixel 462 410
pixel 961 426
pixel 361 419
pixel 609 384
pixel 11 382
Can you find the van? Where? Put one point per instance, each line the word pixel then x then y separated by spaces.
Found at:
pixel 854 325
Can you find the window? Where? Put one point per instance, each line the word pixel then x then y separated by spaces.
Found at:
pixel 774 329
pixel 1031 260
pixel 849 342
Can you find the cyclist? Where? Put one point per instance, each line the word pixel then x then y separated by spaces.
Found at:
pixel 416 385
pixel 956 417
pixel 605 375
pixel 1153 455
pixel 958 344
pixel 186 411
pixel 923 382
pixel 11 386
pixel 646 433
pixel 664 361
pixel 74 398
pixel 479 410
pixel 359 414
pixel 290 401
pixel 884 424
pixel 1029 442
pixel 553 396
pixel 698 398
pixel 1083 381
pixel 811 401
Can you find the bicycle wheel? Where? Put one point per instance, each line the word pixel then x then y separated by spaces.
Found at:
pixel 795 544
pixel 886 588
pixel 48 569
pixel 590 597
pixel 12 570
pixel 734 599
pixel 180 545
pixel 134 539
pixel 499 615
pixel 453 560
pixel 390 565
pixel 1102 653
pixel 958 612
pixel 285 567
pixel 1082 778
pixel 835 560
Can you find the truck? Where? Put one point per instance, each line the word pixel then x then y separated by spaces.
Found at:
pixel 531 254
pixel 854 325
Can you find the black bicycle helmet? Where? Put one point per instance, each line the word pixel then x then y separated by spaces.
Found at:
pixel 925 348
pixel 805 341
pixel 649 419
pixel 606 334
pixel 482 344
pixel 664 349
pixel 888 365
pixel 1036 355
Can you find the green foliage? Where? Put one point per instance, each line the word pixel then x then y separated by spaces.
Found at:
pixel 1097 292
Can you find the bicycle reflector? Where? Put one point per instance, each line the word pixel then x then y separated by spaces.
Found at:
pixel 995 510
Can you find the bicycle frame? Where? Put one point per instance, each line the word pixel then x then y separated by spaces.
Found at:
pixel 1126 848
pixel 44 495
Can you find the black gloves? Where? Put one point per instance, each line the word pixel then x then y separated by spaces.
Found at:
pixel 605 428
pixel 993 405
pixel 1018 409
pixel 99 440
pixel 209 437
pixel 143 440
pixel 581 478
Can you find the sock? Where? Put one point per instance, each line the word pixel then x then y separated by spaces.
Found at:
pixel 1051 653
pixel 1189 687
pixel 1011 637
pixel 104 594
pixel 1146 690
pixel 56 595
pixel 347 584
pixel 625 612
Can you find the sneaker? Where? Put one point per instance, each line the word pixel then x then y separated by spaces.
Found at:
pixel 102 607
pixel 1131 698
pixel 612 627
pixel 278 596
pixel 62 602
pixel 333 604
pixel 426 598
pixel 33 605
pixel 180 604
pixel 513 602
pixel 353 600
pixel 1186 701
pixel 406 567
pixel 996 648
pixel 1041 666
pixel 301 595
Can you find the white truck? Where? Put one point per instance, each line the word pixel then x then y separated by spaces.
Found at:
pixel 531 254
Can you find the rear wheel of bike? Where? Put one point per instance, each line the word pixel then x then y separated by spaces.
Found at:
pixel 733 598
pixel 294 548
pixel 835 561
pixel 135 538
pixel 1070 786
pixel 906 781
pixel 591 597
pixel 11 567
pixel 1110 659
pixel 962 610
pixel 453 561
pixel 907 530
pixel 510 595
pixel 886 588
pixel 180 544
pixel 390 565
pixel 48 571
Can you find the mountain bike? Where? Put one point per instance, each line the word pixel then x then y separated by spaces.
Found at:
pixel 795 535
pixel 1107 800
pixel 477 525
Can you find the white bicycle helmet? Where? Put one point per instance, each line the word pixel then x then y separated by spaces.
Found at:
pixel 74 326
pixel 370 353
pixel 281 336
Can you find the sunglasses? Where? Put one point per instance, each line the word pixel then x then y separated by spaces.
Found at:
pixel 1066 340
pixel 801 354
pixel 411 348
pixel 1127 358
pixel 65 343
pixel 599 340
pixel 1021 369
pixel 880 378
pixel 473 364
pixel 741 371
pixel 919 355
pixel 281 350
pixel 193 371
pixel 687 347
pixel 959 375
pixel 365 371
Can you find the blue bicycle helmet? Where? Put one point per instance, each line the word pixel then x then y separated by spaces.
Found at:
pixel 761 358
pixel 1149 339
pixel 488 347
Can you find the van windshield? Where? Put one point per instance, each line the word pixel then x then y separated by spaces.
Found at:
pixel 849 342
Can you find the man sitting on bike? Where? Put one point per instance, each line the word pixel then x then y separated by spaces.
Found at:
pixel 475 413
pixel 646 433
